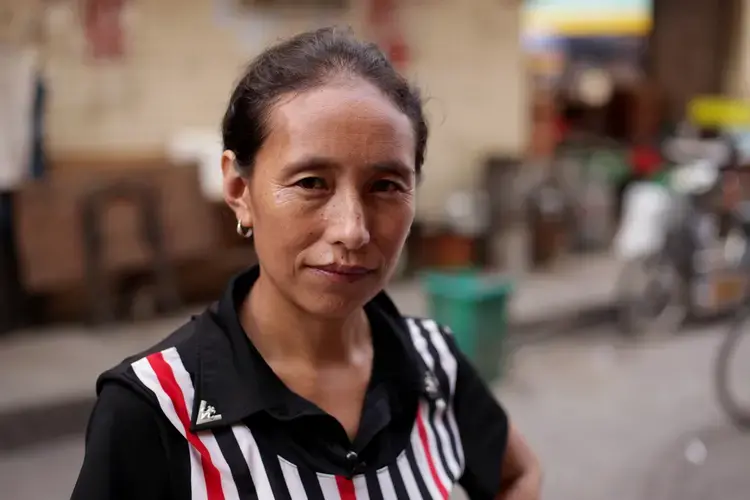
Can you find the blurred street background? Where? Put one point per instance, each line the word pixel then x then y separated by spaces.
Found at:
pixel 562 131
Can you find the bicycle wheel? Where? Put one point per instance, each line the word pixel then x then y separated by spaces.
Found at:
pixel 737 410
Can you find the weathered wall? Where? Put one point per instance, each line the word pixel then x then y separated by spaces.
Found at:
pixel 737 74
pixel 185 56
pixel 690 48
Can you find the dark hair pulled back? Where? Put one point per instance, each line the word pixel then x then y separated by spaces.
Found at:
pixel 304 62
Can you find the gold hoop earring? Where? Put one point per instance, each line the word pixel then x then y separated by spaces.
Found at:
pixel 243 231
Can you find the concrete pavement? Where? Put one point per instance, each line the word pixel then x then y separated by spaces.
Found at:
pixel 711 463
pixel 619 421
pixel 610 420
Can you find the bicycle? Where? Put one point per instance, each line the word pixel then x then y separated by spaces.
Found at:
pixel 738 412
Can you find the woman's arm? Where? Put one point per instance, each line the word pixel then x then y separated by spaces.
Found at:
pixel 125 459
pixel 521 477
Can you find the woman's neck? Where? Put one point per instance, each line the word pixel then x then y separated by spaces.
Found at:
pixel 282 331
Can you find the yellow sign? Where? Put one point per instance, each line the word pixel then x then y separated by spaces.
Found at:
pixel 719 112
pixel 578 24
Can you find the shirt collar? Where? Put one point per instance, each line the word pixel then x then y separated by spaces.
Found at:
pixel 236 381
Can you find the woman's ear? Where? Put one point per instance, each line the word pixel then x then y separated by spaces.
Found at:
pixel 236 190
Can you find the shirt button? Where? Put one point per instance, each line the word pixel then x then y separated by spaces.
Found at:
pixel 352 457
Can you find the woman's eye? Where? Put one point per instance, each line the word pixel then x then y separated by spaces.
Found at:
pixel 386 186
pixel 311 183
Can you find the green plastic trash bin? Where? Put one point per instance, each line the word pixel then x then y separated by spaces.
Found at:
pixel 474 305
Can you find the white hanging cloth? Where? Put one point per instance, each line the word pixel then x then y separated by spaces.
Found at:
pixel 18 72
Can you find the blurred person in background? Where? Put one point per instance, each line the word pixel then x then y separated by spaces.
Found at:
pixel 731 185
pixel 644 161
pixel 304 380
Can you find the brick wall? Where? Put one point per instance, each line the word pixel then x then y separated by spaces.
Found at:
pixel 184 57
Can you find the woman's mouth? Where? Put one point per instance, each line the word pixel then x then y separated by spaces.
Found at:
pixel 343 273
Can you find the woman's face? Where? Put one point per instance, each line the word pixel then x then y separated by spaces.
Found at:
pixel 331 195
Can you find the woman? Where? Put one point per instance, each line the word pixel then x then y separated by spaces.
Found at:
pixel 304 381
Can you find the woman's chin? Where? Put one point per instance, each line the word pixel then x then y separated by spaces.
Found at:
pixel 333 305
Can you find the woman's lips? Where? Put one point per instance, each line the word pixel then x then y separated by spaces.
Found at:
pixel 343 273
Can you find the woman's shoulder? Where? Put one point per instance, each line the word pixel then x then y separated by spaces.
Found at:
pixel 438 335
pixel 436 349
pixel 419 327
pixel 429 324
pixel 137 373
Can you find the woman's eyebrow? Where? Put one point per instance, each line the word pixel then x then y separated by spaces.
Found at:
pixel 394 167
pixel 318 163
pixel 309 164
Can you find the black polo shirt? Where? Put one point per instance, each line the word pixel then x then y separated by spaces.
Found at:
pixel 202 416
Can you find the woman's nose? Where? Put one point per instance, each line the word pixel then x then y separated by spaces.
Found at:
pixel 347 224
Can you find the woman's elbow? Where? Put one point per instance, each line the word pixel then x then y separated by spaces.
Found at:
pixel 522 470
